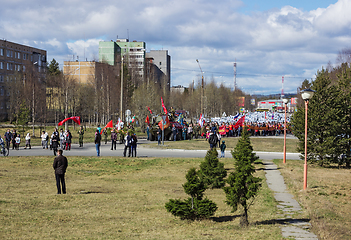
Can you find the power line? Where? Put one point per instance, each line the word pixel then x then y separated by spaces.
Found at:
pixel 244 74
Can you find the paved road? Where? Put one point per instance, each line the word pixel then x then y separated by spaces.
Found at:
pixel 89 150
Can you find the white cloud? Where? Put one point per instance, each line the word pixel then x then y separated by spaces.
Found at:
pixel 266 45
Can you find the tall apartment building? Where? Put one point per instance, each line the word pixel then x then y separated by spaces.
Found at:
pixel 17 58
pixel 161 62
pixel 133 54
pixel 155 64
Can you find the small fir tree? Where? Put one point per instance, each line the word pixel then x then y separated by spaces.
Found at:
pixel 212 172
pixel 243 186
pixel 194 207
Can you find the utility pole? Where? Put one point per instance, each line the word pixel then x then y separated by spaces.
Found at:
pixel 121 102
pixel 202 89
pixel 235 75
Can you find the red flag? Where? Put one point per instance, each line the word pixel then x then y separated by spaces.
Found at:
pixel 163 106
pixel 108 125
pixel 166 124
pixel 147 120
pixel 76 119
pixel 240 122
pixel 149 110
pixel 221 130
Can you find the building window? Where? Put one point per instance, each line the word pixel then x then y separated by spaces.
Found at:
pixel 1 52
pixel 1 91
pixel 19 55
pixel 1 65
pixel 1 78
pixel 8 53
pixel 24 68
pixel 8 66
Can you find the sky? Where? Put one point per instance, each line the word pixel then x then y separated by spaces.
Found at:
pixel 267 39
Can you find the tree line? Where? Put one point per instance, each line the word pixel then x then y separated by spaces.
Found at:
pixel 51 96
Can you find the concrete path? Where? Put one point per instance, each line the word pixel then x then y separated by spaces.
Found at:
pixel 142 151
pixel 291 226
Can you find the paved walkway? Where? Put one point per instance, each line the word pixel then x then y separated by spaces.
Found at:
pixel 291 227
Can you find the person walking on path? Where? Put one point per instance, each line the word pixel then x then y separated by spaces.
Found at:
pixel 159 135
pixel 68 140
pixel 223 147
pixel 14 135
pixel 81 136
pixel 60 165
pixel 127 145
pixel 134 145
pixel 28 141
pixel 97 142
pixel 44 140
pixel 8 139
pixel 113 139
pixel 54 142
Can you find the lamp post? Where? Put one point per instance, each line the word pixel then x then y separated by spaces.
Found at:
pixel 285 101
pixel 306 95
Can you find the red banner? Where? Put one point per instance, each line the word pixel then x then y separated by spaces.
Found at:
pixel 163 106
pixel 76 119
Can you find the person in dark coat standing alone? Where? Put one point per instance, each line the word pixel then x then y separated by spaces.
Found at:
pixel 60 166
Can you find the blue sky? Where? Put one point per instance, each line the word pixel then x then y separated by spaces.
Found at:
pixel 306 5
pixel 268 39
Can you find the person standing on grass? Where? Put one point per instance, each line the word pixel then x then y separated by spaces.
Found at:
pixel 60 166
pixel 97 142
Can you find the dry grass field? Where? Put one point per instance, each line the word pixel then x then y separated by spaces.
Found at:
pixel 327 197
pixel 117 198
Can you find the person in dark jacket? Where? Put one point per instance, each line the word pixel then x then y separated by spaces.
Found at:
pixel 134 144
pixel 60 166
pixel 97 142
pixel 8 139
pixel 55 142
pixel 113 139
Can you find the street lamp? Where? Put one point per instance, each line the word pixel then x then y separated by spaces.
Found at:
pixel 306 95
pixel 285 101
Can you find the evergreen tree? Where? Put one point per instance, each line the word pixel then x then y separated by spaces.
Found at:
pixel 322 132
pixel 343 116
pixel 194 207
pixel 53 68
pixel 212 172
pixel 243 186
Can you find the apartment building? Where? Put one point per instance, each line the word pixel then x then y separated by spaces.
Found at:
pixel 17 58
pixel 162 67
pixel 81 72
